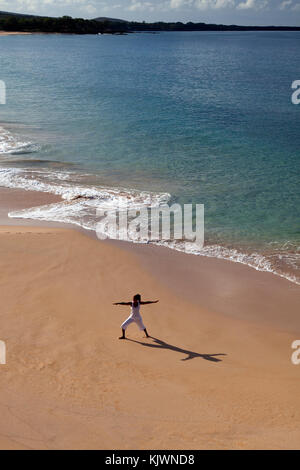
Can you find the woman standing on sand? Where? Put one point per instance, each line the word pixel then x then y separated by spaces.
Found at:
pixel 135 316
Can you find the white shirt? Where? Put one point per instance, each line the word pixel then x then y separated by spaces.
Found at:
pixel 135 311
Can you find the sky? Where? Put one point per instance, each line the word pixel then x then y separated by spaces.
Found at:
pixel 246 12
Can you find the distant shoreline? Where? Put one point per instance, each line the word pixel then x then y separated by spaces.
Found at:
pixel 15 23
pixel 149 31
pixel 12 33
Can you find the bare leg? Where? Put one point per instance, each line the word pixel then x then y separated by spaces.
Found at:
pixel 123 335
pixel 146 333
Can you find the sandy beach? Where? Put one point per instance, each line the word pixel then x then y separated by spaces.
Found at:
pixel 12 33
pixel 215 374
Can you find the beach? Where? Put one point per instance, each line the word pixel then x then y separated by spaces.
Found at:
pixel 129 124
pixel 12 33
pixel 215 374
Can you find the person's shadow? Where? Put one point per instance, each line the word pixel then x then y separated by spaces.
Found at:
pixel 159 344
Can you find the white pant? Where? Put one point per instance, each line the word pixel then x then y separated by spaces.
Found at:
pixel 137 319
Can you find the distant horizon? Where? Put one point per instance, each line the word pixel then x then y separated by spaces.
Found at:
pixel 150 21
pixel 227 12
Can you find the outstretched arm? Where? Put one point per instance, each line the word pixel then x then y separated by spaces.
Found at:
pixel 122 303
pixel 149 302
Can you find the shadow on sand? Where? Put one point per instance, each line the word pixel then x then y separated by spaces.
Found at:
pixel 159 344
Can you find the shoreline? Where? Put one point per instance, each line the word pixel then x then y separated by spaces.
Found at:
pixel 36 198
pixel 13 33
pixel 215 374
pixel 182 272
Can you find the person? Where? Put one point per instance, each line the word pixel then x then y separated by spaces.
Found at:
pixel 135 315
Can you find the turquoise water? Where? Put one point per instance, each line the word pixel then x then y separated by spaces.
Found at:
pixel 203 117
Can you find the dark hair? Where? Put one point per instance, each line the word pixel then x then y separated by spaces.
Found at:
pixel 137 297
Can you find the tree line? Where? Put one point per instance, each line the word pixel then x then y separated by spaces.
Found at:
pixel 65 24
pixel 190 26
pixel 68 25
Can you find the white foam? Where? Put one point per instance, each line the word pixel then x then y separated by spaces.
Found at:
pixel 10 144
pixel 59 183
pixel 80 203
pixel 254 260
pixel 82 212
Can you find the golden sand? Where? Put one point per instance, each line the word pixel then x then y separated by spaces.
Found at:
pixel 205 380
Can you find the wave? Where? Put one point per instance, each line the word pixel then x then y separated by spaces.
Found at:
pixel 80 202
pixel 62 184
pixel 274 263
pixel 10 144
pixel 83 212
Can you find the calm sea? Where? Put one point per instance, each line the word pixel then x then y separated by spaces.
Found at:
pixel 202 117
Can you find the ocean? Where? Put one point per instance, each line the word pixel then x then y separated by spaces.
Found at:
pixel 145 119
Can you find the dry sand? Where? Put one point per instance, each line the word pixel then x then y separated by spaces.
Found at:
pixel 216 374
pixel 12 33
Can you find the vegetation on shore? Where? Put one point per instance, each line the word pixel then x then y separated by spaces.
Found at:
pixel 68 25
pixel 65 24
